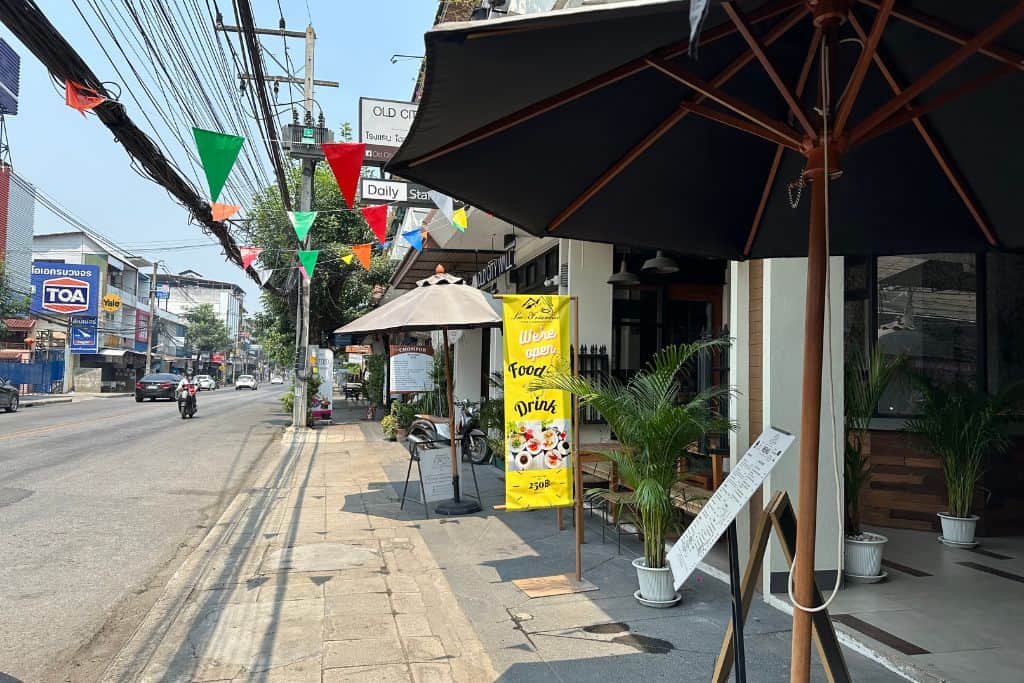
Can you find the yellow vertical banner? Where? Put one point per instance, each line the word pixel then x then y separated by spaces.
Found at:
pixel 538 429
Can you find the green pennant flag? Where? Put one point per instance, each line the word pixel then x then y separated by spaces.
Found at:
pixel 302 221
pixel 218 152
pixel 308 260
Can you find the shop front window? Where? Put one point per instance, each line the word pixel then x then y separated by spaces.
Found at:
pixel 926 309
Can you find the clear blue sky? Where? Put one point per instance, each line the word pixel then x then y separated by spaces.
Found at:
pixel 77 162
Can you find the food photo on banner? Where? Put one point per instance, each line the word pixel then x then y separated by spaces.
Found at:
pixel 538 432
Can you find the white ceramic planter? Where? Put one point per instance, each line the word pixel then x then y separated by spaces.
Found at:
pixel 864 555
pixel 958 531
pixel 655 584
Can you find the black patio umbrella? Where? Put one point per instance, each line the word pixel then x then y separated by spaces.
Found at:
pixel 590 123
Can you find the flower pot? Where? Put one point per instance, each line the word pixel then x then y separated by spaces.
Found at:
pixel 958 531
pixel 401 434
pixel 655 584
pixel 864 555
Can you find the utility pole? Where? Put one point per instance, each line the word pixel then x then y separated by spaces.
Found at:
pixel 302 142
pixel 152 320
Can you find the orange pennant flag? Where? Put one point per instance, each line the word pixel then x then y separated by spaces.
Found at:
pixel 362 252
pixel 223 211
pixel 81 98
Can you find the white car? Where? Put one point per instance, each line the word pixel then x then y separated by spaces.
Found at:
pixel 206 383
pixel 277 379
pixel 245 382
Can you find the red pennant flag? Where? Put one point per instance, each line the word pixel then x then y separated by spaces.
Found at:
pixel 377 217
pixel 362 252
pixel 346 159
pixel 249 254
pixel 223 211
pixel 81 98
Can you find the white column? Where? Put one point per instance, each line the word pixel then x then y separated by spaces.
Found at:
pixel 784 296
pixel 466 369
pixel 738 293
pixel 590 266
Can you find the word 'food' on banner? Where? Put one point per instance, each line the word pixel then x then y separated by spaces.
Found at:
pixel 726 502
pixel 538 431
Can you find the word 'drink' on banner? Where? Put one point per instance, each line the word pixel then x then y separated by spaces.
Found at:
pixel 538 431
pixel 726 502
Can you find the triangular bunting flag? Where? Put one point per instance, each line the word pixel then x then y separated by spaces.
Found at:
pixel 218 152
pixel 460 220
pixel 249 254
pixel 302 221
pixel 223 211
pixel 346 160
pixel 377 217
pixel 362 252
pixel 444 203
pixel 415 238
pixel 308 261
pixel 264 275
pixel 81 98
pixel 347 258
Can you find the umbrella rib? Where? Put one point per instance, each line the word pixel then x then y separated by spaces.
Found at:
pixel 951 33
pixel 758 49
pixel 597 83
pixel 801 83
pixel 934 74
pixel 685 108
pixel 912 113
pixel 762 120
pixel 863 62
pixel 947 168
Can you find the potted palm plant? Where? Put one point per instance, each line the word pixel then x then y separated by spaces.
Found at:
pixel 866 380
pixel 654 426
pixel 963 426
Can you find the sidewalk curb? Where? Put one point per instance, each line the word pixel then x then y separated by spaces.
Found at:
pixel 44 402
pixel 182 583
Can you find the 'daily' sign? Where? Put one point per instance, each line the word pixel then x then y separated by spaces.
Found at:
pixel 538 429
pixel 64 289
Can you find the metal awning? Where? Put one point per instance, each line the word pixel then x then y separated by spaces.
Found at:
pixel 418 265
pixel 118 353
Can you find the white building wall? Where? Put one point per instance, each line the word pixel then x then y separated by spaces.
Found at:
pixel 590 265
pixel 784 296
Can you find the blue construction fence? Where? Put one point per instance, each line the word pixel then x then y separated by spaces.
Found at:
pixel 43 374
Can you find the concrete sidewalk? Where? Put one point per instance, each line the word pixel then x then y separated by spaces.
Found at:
pixel 32 400
pixel 315 574
pixel 301 580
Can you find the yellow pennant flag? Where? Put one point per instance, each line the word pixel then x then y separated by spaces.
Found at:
pixel 459 219
pixel 347 258
pixel 538 431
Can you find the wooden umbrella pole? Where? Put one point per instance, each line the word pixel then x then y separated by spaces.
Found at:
pixel 577 468
pixel 451 415
pixel 810 430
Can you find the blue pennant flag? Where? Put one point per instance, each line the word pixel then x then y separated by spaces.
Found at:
pixel 414 238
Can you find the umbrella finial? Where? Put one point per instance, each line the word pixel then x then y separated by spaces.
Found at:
pixel 438 269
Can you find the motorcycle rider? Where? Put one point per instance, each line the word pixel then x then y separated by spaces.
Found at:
pixel 187 380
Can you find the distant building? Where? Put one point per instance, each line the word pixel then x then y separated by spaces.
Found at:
pixel 17 215
pixel 189 289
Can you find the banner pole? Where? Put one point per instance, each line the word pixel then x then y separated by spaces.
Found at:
pixel 576 467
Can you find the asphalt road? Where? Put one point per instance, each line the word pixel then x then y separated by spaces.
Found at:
pixel 99 503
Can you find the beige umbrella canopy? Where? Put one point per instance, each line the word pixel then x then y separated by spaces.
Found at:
pixel 443 302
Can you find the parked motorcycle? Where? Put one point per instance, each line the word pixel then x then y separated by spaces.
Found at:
pixel 467 425
pixel 187 402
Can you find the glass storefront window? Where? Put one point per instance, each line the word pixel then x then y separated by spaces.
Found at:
pixel 926 310
pixel 1004 275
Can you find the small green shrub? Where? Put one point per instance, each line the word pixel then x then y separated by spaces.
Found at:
pixel 404 413
pixel 389 425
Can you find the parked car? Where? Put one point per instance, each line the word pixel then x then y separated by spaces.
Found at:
pixel 245 382
pixel 9 397
pixel 277 379
pixel 206 383
pixel 156 385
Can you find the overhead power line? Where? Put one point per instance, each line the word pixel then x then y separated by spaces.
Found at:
pixel 27 22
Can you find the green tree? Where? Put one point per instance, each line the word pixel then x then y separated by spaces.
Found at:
pixel 339 292
pixel 13 304
pixel 275 336
pixel 205 332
